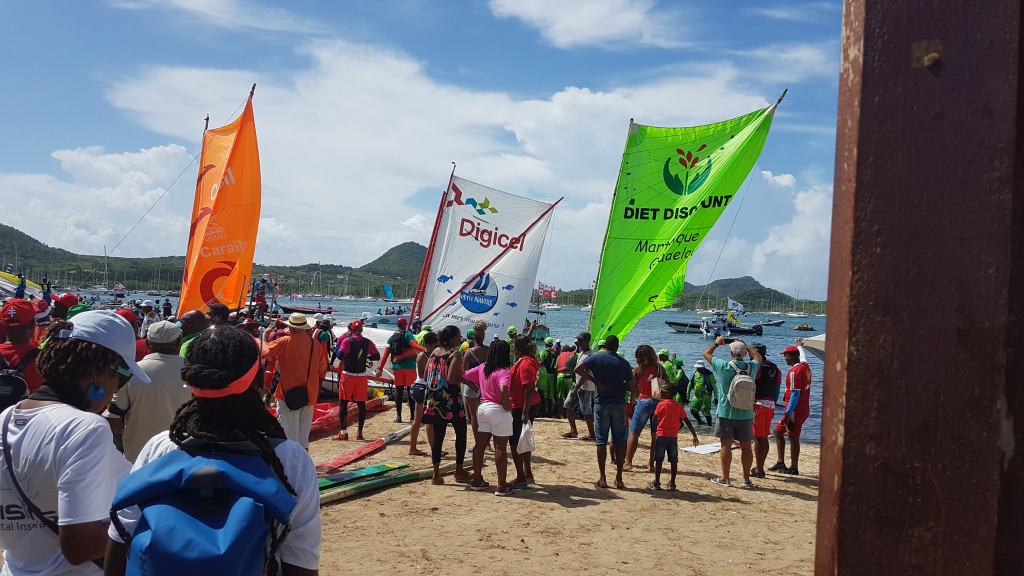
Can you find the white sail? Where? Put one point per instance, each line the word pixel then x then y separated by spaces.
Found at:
pixel 483 263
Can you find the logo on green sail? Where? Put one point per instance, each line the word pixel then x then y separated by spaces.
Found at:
pixel 694 173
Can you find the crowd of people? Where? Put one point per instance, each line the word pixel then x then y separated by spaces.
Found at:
pixel 109 393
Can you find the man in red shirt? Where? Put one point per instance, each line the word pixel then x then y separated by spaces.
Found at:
pixel 798 407
pixel 18 317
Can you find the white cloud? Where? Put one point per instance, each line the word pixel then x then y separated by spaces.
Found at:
pixel 601 23
pixel 810 12
pixel 790 62
pixel 233 14
pixel 785 180
pixel 794 256
pixel 352 142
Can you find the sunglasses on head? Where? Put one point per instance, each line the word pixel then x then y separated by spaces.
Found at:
pixel 124 373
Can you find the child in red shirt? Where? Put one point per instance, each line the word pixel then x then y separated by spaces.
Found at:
pixel 670 416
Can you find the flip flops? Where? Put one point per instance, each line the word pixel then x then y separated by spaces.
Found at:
pixel 570 435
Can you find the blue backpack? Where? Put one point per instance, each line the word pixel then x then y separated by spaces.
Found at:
pixel 217 512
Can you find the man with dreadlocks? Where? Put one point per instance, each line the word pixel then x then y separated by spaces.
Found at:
pixel 222 367
pixel 59 450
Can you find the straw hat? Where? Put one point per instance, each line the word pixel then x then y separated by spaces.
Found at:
pixel 298 320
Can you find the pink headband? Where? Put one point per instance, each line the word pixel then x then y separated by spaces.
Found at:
pixel 236 387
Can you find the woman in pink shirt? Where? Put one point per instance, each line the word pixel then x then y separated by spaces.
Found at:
pixel 494 416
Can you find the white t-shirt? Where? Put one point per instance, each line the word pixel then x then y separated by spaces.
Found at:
pixel 151 407
pixel 67 465
pixel 302 545
pixel 586 383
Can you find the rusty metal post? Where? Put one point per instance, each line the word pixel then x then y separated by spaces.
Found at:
pixel 923 420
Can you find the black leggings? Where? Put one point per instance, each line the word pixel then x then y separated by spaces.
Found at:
pixel 343 414
pixel 440 426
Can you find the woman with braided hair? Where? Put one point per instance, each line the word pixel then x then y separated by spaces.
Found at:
pixel 223 368
pixel 60 467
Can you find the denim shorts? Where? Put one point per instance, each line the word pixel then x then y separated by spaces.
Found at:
pixel 663 444
pixel 584 400
pixel 610 417
pixel 643 414
pixel 417 392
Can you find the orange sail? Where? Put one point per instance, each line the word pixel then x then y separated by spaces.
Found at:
pixel 225 217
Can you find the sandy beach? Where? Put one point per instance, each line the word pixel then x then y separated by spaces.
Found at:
pixel 565 523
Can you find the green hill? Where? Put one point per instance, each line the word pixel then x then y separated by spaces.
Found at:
pixel 403 261
pixel 399 267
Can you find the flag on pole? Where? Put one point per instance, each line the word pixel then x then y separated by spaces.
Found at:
pixel 734 305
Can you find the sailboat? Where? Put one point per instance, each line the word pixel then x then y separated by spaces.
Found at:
pixel 686 177
pixel 482 259
pixel 225 217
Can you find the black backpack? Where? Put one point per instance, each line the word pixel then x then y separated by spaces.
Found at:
pixel 13 387
pixel 397 343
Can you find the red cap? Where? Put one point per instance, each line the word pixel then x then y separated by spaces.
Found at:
pixel 356 326
pixel 402 322
pixel 791 350
pixel 17 312
pixel 127 315
pixel 41 306
pixel 67 299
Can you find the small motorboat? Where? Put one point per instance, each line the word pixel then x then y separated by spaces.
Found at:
pixel 804 327
pixel 767 322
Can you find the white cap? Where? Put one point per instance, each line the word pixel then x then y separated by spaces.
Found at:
pixel 109 330
pixel 318 316
pixel 163 332
pixel 148 303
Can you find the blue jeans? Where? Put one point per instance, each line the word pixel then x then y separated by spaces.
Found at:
pixel 584 400
pixel 642 415
pixel 610 417
pixel 663 444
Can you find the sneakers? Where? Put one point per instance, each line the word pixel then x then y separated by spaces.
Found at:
pixel 754 472
pixel 341 436
pixel 748 484
pixel 792 471
pixel 778 467
pixel 398 419
pixel 721 482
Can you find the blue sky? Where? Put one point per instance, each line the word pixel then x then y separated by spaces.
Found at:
pixel 361 106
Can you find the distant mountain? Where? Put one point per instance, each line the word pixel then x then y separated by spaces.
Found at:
pixel 403 261
pixel 399 266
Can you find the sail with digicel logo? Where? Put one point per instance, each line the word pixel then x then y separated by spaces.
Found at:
pixel 673 185
pixel 483 239
pixel 225 217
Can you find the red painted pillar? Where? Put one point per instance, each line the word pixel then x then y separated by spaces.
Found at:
pixel 923 421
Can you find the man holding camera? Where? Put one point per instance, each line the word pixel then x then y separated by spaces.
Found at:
pixel 733 423
pixel 798 407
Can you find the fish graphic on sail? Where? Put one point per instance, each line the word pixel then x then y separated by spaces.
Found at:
pixel 483 257
pixel 673 185
pixel 225 217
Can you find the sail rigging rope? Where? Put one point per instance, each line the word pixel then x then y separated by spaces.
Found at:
pixel 711 275
pixel 159 198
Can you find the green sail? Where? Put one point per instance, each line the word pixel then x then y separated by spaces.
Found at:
pixel 673 185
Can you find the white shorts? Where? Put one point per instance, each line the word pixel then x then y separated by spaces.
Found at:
pixel 494 419
pixel 296 423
